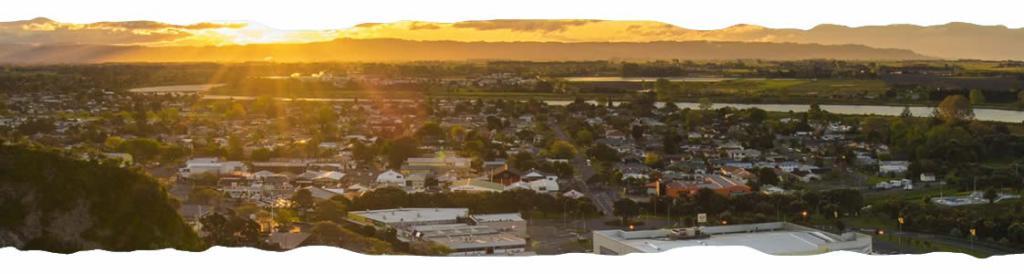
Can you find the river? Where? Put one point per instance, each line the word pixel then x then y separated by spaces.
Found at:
pixel 994 115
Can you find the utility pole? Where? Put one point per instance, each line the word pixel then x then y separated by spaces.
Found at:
pixel 670 223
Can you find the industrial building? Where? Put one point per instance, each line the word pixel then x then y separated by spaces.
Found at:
pixel 399 218
pixel 454 228
pixel 778 238
pixel 471 240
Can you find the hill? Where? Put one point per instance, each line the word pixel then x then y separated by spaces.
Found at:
pixel 51 202
pixel 392 50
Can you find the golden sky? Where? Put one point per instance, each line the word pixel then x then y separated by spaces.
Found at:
pixel 950 40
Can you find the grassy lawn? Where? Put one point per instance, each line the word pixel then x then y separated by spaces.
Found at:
pixel 916 195
pixel 875 179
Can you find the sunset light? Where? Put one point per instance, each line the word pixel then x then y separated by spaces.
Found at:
pixel 692 136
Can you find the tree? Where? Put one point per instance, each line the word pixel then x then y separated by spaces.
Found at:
pixel 637 132
pixel 604 153
pixel 205 196
pixel 142 150
pixel 113 142
pixel 652 159
pixel 494 123
pixel 102 206
pixel 671 141
pixel 626 209
pixel 327 233
pixel 670 107
pixel 400 150
pixel 561 150
pixel 906 114
pixel 456 133
pixel 326 120
pixel 330 210
pixel 705 104
pixel 954 108
pixel 708 201
pixel 236 150
pixel 363 153
pixel 767 176
pixel 875 129
pixel 665 88
pixel 991 194
pixel 261 154
pixel 430 130
pixel 236 111
pixel 977 97
pixel 522 161
pixel 757 116
pixel 584 137
pixel 1015 232
pixel 303 199
pixel 230 230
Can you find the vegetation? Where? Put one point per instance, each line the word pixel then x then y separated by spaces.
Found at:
pixel 56 203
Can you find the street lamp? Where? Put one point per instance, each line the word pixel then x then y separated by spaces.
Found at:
pixel 900 231
pixel 804 214
pixel 974 233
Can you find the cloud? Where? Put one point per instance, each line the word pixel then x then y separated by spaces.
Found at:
pixel 423 26
pixel 46 31
pixel 523 25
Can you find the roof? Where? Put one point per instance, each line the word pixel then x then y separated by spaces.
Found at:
pixel 499 217
pixel 464 236
pixel 413 215
pixel 287 240
pixel 477 185
pixel 771 238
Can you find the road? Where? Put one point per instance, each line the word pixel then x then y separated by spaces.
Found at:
pixel 983 246
pixel 603 199
pixel 571 235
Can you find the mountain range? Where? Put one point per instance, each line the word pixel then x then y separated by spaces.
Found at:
pixel 43 40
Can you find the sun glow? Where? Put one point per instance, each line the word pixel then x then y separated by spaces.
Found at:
pixel 250 34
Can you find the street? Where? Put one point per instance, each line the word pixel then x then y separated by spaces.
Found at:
pixel 602 199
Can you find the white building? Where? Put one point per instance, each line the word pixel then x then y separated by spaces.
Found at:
pixel 471 240
pixel 777 238
pixel 391 177
pixel 893 167
pixel 198 166
pixel 405 217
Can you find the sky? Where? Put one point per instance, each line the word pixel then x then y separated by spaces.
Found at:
pixel 704 14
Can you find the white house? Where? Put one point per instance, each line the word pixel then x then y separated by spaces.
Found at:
pixel 545 185
pixel 540 186
pixel 893 167
pixel 198 166
pixel 573 194
pixel 928 177
pixel 391 177
pixel 738 154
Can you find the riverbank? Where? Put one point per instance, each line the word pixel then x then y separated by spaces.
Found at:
pixel 982 114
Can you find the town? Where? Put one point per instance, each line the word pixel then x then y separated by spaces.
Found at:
pixel 458 175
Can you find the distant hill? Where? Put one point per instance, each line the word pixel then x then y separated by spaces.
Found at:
pixel 948 41
pixel 951 41
pixel 51 202
pixel 405 50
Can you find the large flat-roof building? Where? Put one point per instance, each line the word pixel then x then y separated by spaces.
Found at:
pixel 777 238
pixel 454 228
pixel 504 222
pixel 471 240
pixel 407 217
